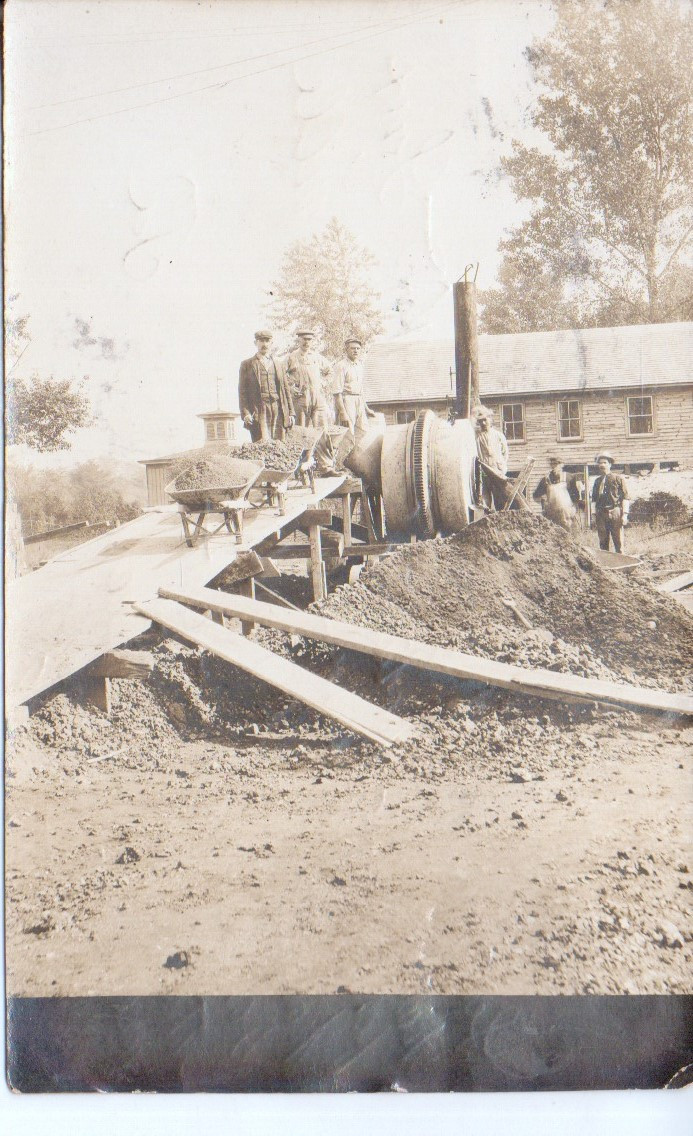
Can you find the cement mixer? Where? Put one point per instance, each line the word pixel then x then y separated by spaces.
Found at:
pixel 424 472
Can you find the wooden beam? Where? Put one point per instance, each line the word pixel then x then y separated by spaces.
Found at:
pixel 122 663
pixel 442 660
pixel 244 565
pixel 246 588
pixel 315 517
pixel 98 692
pixel 358 532
pixel 377 549
pixel 303 551
pixel 275 597
pixel 49 534
pixel 317 568
pixel 326 697
pixel 677 583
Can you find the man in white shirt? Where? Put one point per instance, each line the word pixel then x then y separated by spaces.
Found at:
pixel 492 449
pixel 347 387
pixel 307 371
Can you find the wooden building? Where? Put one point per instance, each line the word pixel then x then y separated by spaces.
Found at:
pixel 221 429
pixel 625 389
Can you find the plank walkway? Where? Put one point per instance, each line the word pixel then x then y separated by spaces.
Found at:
pixel 349 709
pixel 79 605
pixel 539 683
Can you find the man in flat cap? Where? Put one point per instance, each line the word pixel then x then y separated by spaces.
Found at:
pixel 560 493
pixel 347 387
pixel 307 371
pixel 264 395
pixel 611 504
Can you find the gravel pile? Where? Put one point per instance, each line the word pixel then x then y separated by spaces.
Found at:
pixel 212 471
pixel 280 455
pixel 451 592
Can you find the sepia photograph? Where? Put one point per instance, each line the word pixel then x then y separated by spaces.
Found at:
pixel 348 544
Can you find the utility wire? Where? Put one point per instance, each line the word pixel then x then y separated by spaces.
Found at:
pixel 222 66
pixel 235 79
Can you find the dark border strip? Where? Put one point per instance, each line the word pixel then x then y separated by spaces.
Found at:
pixel 347 1043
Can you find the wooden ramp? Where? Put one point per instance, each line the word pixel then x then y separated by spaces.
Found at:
pixel 353 712
pixel 79 605
pixel 540 683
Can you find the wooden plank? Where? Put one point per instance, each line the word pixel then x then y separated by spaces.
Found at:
pixel 677 583
pixel 352 485
pixel 50 534
pixel 358 532
pixel 378 549
pixel 540 683
pixel 275 597
pixel 303 551
pixel 316 517
pixel 349 709
pixel 98 692
pixel 122 664
pixel 97 581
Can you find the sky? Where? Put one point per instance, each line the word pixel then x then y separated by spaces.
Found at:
pixel 161 157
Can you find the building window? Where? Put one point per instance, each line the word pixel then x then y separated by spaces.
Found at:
pixel 640 415
pixel 211 433
pixel 513 421
pixel 404 416
pixel 221 430
pixel 569 420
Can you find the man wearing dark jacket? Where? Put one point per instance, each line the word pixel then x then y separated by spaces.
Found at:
pixel 265 400
pixel 611 503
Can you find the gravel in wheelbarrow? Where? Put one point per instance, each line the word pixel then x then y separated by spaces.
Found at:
pixel 206 480
pixel 282 456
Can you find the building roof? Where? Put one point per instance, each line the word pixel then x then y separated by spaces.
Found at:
pixel 168 459
pixel 600 358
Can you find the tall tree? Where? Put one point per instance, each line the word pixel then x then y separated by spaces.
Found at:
pixel 609 236
pixel 324 283
pixel 39 413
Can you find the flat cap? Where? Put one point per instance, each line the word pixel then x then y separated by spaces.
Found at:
pixel 263 334
pixel 605 454
pixel 554 459
pixel 353 339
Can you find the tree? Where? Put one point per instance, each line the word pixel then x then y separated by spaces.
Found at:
pixel 42 412
pixel 324 284
pixel 608 238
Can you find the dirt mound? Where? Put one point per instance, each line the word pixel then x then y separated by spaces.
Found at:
pixel 451 592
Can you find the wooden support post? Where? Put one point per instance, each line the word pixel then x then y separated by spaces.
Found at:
pixel 247 588
pixel 217 617
pixel 98 692
pixel 347 506
pixel 588 499
pixel 317 568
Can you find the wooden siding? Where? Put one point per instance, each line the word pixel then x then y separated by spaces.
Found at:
pixel 157 477
pixel 604 426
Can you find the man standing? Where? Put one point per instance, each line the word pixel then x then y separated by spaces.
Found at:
pixel 492 450
pixel 347 387
pixel 264 396
pixel 307 371
pixel 611 503
pixel 559 494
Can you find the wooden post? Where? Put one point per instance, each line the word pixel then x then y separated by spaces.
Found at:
pixel 247 588
pixel 317 568
pixel 347 506
pixel 98 692
pixel 466 347
pixel 588 499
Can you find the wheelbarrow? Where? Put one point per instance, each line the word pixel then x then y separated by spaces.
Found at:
pixel 228 502
pixel 272 485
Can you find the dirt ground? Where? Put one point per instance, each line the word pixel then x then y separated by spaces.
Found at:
pixel 212 837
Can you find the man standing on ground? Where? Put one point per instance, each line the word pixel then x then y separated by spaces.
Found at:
pixel 307 371
pixel 492 450
pixel 264 396
pixel 611 504
pixel 559 494
pixel 347 387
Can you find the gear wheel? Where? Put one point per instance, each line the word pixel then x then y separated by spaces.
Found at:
pixel 420 469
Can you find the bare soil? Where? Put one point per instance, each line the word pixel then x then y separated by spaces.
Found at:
pixel 215 837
